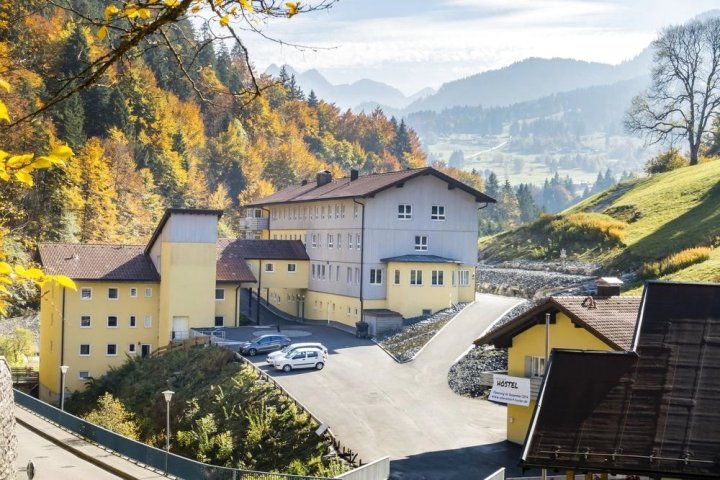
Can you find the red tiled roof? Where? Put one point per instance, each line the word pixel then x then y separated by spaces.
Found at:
pixel 97 262
pixel 611 319
pixel 232 253
pixel 364 186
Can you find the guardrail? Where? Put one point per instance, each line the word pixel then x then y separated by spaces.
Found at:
pixel 379 469
pixel 24 376
pixel 172 346
pixel 180 467
pixel 498 475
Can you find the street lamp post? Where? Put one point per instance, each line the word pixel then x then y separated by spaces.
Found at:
pixel 63 372
pixel 168 396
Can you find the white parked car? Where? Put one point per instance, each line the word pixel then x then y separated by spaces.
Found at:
pixel 292 347
pixel 301 358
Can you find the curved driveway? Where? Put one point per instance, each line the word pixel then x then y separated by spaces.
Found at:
pixel 378 407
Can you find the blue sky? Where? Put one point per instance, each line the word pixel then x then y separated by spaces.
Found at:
pixel 411 44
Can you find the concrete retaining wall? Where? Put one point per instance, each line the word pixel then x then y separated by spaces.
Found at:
pixel 8 441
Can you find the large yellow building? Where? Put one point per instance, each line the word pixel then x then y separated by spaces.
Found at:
pixel 133 299
pixel 601 323
pixel 381 246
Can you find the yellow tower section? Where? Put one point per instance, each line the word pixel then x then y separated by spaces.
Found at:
pixel 184 251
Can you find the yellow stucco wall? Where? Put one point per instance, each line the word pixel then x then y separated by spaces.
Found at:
pixel 98 335
pixel 338 308
pixel 187 287
pixel 228 307
pixel 410 300
pixel 531 343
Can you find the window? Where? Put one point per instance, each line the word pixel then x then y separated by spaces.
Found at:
pixel 535 366
pixel 269 267
pixel 453 278
pixel 113 293
pixel 421 243
pixel 330 240
pixel 357 275
pixel 85 321
pixel 322 272
pixel 219 321
pixel 350 241
pixel 437 212
pixel 112 321
pixel 219 294
pixel 313 270
pixel 438 278
pixel 291 267
pixel 330 273
pixel 133 293
pixel 314 240
pixel 148 292
pixel 83 375
pixel 147 322
pixel 342 211
pixel 84 349
pixel 86 293
pixel 349 275
pixel 337 272
pixel 464 278
pixel 396 280
pixel 357 240
pixel 416 277
pixel 337 211
pixel 339 241
pixel 375 276
pixel 132 348
pixel 322 211
pixel 404 211
pixel 355 211
pixel 133 321
pixel 111 349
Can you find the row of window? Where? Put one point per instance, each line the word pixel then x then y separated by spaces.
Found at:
pixel 321 271
pixel 112 321
pixel 113 293
pixel 405 212
pixel 330 307
pixel 317 212
pixel 111 349
pixel 335 240
pixel 437 277
pixel 270 268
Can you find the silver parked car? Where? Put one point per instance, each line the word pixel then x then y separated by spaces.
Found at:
pixel 294 346
pixel 264 343
pixel 301 358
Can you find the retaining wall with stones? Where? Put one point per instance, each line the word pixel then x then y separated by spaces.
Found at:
pixel 8 441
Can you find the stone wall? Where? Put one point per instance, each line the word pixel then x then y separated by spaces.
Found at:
pixel 8 441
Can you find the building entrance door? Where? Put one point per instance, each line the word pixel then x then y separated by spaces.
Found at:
pixel 180 330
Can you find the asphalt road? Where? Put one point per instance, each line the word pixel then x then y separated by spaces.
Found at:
pixel 378 407
pixel 52 461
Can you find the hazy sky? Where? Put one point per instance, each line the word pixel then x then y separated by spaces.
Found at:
pixel 411 44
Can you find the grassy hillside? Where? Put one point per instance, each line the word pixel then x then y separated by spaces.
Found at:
pixel 631 226
pixel 222 413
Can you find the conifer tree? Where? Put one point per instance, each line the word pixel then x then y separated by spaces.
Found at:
pixel 312 99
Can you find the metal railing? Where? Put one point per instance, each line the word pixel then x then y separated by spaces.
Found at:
pixel 254 223
pixel 497 475
pixel 180 467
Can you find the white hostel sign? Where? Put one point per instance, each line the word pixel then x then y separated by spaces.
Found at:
pixel 508 389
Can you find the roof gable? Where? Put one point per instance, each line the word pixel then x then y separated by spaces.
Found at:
pixel 364 186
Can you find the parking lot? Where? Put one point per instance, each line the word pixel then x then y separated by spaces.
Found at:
pixel 378 407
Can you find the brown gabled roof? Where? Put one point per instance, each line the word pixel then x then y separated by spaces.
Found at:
pixel 97 262
pixel 654 411
pixel 611 319
pixel 231 265
pixel 364 186
pixel 265 249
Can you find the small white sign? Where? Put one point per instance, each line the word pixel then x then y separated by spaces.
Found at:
pixel 506 389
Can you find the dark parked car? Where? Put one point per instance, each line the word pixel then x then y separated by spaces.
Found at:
pixel 264 343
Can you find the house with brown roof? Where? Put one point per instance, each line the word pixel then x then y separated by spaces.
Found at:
pixel 384 245
pixel 134 299
pixel 604 322
pixel 651 411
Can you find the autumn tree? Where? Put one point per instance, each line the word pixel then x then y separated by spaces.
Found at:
pixel 110 413
pixel 684 97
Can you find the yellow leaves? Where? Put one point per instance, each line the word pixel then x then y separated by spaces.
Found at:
pixel 293 8
pixel 21 166
pixel 24 177
pixel 246 4
pixel 195 9
pixel 62 280
pixel 5 268
pixel 110 11
pixel 171 3
pixel 5 85
pixel 19 161
pixel 4 112
pixel 224 20
pixel 101 33
pixel 133 11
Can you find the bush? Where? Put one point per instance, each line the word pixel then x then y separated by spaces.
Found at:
pixel 587 227
pixel 676 261
pixel 665 162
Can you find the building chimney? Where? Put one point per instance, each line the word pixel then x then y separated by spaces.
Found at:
pixel 354 174
pixel 608 286
pixel 323 178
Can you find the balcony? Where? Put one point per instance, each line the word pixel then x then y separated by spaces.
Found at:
pixel 486 379
pixel 254 223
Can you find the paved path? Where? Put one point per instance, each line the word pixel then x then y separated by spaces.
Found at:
pixel 68 456
pixel 378 407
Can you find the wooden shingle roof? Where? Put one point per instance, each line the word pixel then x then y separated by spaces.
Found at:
pixel 611 319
